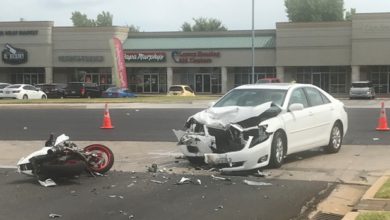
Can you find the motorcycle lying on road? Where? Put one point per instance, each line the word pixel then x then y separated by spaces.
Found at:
pixel 63 158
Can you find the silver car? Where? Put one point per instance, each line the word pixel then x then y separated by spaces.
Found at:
pixel 362 89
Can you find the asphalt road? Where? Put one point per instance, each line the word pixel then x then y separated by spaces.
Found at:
pixel 120 195
pixel 144 124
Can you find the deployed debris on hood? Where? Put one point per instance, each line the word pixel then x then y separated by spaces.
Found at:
pixel 255 183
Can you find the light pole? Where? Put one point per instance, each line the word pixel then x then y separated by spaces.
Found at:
pixel 253 41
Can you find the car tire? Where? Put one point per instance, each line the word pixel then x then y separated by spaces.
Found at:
pixel 25 97
pixel 336 138
pixel 43 97
pixel 278 149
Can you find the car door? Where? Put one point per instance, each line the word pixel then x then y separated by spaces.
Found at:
pixel 298 124
pixel 321 110
pixel 29 91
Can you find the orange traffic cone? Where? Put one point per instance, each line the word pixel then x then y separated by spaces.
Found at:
pixel 107 120
pixel 382 122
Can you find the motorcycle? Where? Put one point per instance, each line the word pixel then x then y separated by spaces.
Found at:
pixel 63 158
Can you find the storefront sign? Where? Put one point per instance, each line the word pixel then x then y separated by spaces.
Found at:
pixel 21 33
pixel 148 57
pixel 13 55
pixel 89 59
pixel 194 56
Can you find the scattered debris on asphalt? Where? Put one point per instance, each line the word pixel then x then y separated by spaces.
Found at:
pixel 220 178
pixel 52 215
pixel 130 185
pixel 153 168
pixel 260 173
pixel 157 181
pixel 116 196
pixel 218 208
pixel 255 183
pixel 185 180
pixel 375 139
pixel 25 128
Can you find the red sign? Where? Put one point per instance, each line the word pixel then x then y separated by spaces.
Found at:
pixel 194 56
pixel 119 63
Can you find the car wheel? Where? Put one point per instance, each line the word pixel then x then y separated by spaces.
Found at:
pixel 278 148
pixel 25 97
pixel 43 97
pixel 336 138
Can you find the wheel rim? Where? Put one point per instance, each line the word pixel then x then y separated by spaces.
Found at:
pixel 279 150
pixel 101 159
pixel 336 137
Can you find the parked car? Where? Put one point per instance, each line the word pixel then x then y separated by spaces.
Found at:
pixel 23 91
pixel 82 90
pixel 362 89
pixel 2 86
pixel 268 80
pixel 115 92
pixel 53 90
pixel 253 126
pixel 180 90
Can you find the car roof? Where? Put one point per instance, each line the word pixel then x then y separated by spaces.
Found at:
pixel 282 86
pixel 180 85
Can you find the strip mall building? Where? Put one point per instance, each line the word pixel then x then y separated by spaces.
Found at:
pixel 328 54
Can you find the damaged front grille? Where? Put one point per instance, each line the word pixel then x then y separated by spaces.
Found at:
pixel 227 140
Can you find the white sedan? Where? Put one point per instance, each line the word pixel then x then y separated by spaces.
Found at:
pixel 23 91
pixel 253 126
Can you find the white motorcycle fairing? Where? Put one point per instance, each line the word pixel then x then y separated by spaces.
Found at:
pixel 25 161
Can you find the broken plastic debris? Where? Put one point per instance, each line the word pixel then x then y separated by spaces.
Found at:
pixel 131 216
pixel 220 178
pixel 218 208
pixel 98 174
pixel 130 185
pixel 25 128
pixel 184 180
pixel 153 168
pixel 52 215
pixel 112 196
pixel 375 139
pixel 198 182
pixel 47 183
pixel 255 183
pixel 157 181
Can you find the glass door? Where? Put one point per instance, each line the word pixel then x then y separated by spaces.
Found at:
pixel 150 83
pixel 316 79
pixel 202 82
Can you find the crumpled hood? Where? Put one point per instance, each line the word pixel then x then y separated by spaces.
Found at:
pixel 220 117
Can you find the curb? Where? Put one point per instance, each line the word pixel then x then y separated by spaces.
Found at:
pixel 370 194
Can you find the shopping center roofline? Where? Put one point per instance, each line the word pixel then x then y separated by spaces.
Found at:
pixel 24 23
pixel 229 33
pixel 314 24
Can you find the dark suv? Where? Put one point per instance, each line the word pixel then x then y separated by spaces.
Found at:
pixel 53 90
pixel 82 90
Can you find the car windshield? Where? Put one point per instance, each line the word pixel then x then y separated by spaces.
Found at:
pixel 2 86
pixel 175 89
pixel 113 89
pixel 13 86
pixel 361 85
pixel 252 97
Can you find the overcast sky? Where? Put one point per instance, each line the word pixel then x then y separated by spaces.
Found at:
pixel 166 15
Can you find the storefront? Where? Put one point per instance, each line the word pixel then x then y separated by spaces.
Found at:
pixel 330 55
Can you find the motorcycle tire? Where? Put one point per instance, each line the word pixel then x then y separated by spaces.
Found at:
pixel 102 152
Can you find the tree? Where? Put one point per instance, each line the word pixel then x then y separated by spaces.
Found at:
pixel 104 19
pixel 81 20
pixel 314 10
pixel 348 14
pixel 203 24
pixel 133 28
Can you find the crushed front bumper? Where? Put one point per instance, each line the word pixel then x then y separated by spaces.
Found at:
pixel 246 159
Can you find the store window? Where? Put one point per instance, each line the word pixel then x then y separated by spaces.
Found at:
pixel 244 76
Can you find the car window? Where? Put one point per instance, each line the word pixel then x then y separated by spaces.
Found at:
pixel 175 89
pixel 298 96
pixel 188 89
pixel 14 87
pixel 314 96
pixel 28 88
pixel 251 97
pixel 324 98
pixel 2 86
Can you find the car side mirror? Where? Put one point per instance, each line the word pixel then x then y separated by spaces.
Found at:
pixel 210 104
pixel 295 107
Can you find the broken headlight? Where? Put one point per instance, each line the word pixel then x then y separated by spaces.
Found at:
pixel 259 135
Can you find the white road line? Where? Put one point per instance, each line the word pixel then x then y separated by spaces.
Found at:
pixel 7 167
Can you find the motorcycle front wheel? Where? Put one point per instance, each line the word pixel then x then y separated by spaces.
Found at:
pixel 102 159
